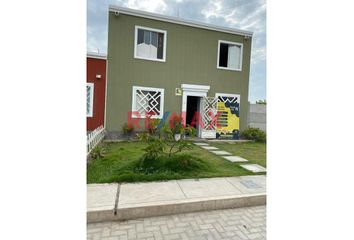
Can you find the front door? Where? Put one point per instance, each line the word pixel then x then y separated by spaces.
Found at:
pixel 208 114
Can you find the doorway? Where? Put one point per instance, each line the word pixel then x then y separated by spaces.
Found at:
pixel 192 109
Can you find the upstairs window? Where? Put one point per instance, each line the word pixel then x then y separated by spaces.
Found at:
pixel 147 101
pixel 230 55
pixel 150 44
pixel 89 99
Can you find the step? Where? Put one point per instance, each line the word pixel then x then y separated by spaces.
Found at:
pixel 139 200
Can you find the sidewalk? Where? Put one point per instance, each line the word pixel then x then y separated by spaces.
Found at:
pixel 107 202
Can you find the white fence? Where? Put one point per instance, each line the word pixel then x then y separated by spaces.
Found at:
pixel 94 138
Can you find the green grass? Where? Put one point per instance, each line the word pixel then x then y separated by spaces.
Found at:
pixel 122 163
pixel 252 151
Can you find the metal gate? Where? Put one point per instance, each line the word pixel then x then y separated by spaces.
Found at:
pixel 208 112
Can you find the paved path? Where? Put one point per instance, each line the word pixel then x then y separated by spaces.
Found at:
pixel 239 223
pixel 136 200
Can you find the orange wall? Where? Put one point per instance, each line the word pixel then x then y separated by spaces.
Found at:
pixel 96 66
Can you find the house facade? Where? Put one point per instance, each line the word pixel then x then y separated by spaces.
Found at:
pixel 95 90
pixel 159 66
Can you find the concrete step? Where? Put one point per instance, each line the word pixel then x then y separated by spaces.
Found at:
pixel 138 200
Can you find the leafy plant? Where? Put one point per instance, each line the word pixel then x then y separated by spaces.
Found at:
pixel 152 127
pixel 261 102
pixel 98 152
pixel 255 134
pixel 127 129
pixel 166 142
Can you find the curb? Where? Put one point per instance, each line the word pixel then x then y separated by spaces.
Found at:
pixel 183 206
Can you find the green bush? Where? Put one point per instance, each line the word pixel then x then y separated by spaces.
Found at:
pixel 98 152
pixel 255 134
pixel 153 123
pixel 127 129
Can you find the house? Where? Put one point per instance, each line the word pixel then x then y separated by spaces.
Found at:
pixel 95 90
pixel 159 66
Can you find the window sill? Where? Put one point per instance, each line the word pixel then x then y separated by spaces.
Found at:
pixel 150 59
pixel 144 117
pixel 230 69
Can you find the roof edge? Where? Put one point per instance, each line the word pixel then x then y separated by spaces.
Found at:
pixel 160 17
pixel 96 55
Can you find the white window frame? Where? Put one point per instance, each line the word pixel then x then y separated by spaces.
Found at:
pixel 90 114
pixel 135 88
pixel 153 30
pixel 241 55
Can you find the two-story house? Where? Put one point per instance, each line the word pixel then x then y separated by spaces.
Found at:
pixel 160 65
pixel 95 90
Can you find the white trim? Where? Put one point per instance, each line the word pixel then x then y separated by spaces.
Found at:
pixel 241 55
pixel 228 95
pixel 135 88
pixel 231 95
pixel 96 55
pixel 192 87
pixel 175 20
pixel 92 92
pixel 152 30
pixel 192 90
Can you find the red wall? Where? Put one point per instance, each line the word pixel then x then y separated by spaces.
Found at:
pixel 96 66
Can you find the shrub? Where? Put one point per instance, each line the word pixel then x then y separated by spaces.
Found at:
pixel 255 134
pixel 166 139
pixel 153 123
pixel 127 129
pixel 98 152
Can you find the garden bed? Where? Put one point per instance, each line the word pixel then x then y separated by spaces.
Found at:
pixel 122 163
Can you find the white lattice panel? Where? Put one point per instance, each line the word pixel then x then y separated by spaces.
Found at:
pixel 89 99
pixel 209 111
pixel 148 101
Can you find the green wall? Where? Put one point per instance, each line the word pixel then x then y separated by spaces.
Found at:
pixel 191 58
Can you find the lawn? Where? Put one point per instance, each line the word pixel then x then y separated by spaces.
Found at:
pixel 121 163
pixel 252 151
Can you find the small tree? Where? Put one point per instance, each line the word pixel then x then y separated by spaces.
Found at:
pixel 170 137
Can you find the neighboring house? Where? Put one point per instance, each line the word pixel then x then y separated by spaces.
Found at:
pixel 95 90
pixel 159 64
pixel 257 116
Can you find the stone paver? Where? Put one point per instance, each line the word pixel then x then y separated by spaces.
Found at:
pixel 220 152
pixel 254 168
pixel 201 144
pixel 235 159
pixel 209 148
pixel 239 223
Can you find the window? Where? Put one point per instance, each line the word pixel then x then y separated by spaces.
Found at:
pixel 150 44
pixel 89 99
pixel 230 55
pixel 147 101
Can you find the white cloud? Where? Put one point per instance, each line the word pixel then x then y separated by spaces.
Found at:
pixel 147 5
pixel 242 14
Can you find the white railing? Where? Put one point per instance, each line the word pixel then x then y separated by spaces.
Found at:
pixel 94 138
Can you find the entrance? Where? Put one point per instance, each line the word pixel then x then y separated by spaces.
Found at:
pixel 192 109
pixel 194 99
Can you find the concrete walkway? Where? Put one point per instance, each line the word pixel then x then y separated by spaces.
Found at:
pixel 136 200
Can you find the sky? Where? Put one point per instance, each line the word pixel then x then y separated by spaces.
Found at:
pixel 241 14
